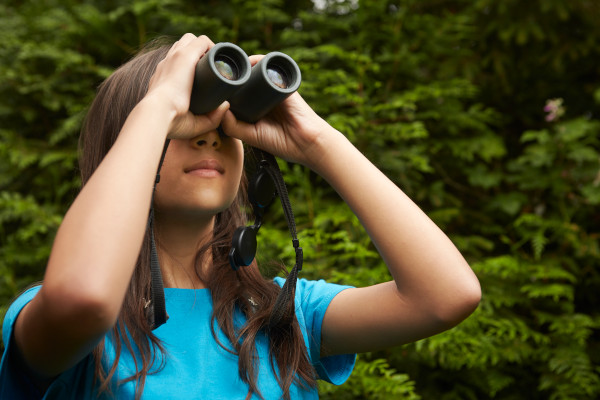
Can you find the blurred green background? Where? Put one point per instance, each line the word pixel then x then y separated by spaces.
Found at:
pixel 485 112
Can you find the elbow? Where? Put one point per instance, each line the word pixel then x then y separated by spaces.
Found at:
pixel 459 304
pixel 86 307
pixel 470 297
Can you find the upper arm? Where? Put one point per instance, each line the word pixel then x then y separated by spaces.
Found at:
pixel 373 318
pixel 21 374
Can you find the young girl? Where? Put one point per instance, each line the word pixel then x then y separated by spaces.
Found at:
pixel 84 333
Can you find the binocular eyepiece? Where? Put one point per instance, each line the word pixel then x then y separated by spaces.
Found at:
pixel 224 73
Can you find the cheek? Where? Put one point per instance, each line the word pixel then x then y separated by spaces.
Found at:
pixel 237 155
pixel 169 168
pixel 168 181
pixel 234 183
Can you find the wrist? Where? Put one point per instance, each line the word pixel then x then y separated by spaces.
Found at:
pixel 157 107
pixel 325 149
pixel 150 119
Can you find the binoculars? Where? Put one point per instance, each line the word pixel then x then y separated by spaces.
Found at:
pixel 225 73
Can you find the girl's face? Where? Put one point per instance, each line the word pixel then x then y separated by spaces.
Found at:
pixel 200 176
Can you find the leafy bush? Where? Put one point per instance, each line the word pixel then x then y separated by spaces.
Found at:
pixel 484 112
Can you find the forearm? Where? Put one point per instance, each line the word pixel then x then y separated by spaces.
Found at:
pixel 95 250
pixel 426 267
pixel 98 242
pixel 433 286
pixel 97 245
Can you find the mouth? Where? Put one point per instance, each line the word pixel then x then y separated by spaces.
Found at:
pixel 206 168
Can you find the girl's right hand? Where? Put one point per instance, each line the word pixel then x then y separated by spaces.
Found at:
pixel 172 82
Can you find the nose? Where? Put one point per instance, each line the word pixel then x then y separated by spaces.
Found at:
pixel 210 139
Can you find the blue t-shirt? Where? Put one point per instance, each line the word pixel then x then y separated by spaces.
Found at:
pixel 196 365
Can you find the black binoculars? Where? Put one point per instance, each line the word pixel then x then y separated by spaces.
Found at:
pixel 224 73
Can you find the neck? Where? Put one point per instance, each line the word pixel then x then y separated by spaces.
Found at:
pixel 178 239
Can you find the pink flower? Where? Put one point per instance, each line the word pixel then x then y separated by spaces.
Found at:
pixel 554 108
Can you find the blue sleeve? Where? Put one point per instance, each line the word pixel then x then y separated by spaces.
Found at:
pixel 312 300
pixel 76 383
pixel 13 384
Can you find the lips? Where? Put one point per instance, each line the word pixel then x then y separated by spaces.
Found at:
pixel 206 165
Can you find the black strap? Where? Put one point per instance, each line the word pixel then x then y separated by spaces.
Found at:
pixel 275 174
pixel 156 311
pixel 284 304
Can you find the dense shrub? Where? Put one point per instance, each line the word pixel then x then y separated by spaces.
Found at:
pixel 484 112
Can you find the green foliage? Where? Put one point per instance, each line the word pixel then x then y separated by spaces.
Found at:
pixel 446 97
pixel 371 379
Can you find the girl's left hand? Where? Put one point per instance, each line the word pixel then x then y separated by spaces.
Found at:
pixel 292 130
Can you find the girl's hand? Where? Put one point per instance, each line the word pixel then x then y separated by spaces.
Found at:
pixel 172 82
pixel 292 130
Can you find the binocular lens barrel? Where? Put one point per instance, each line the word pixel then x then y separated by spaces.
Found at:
pixel 277 76
pixel 227 67
pixel 272 80
pixel 224 73
pixel 222 70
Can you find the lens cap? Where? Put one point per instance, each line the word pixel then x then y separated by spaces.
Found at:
pixel 243 247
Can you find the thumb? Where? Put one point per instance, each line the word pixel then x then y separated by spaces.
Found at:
pixel 238 129
pixel 189 125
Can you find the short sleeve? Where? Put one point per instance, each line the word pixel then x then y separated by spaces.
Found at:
pixel 74 384
pixel 312 300
pixel 12 384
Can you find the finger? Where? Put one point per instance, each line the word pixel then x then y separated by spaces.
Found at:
pixel 201 44
pixel 190 125
pixel 188 51
pixel 185 39
pixel 255 58
pixel 215 117
pixel 196 47
pixel 239 129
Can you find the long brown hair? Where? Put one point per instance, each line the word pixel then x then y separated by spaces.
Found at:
pixel 230 290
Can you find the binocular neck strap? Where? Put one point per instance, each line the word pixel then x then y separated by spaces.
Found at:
pixel 156 311
pixel 284 304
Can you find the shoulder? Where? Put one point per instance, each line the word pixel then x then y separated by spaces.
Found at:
pixel 312 300
pixel 312 297
pixel 14 310
pixel 16 383
pixel 311 294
